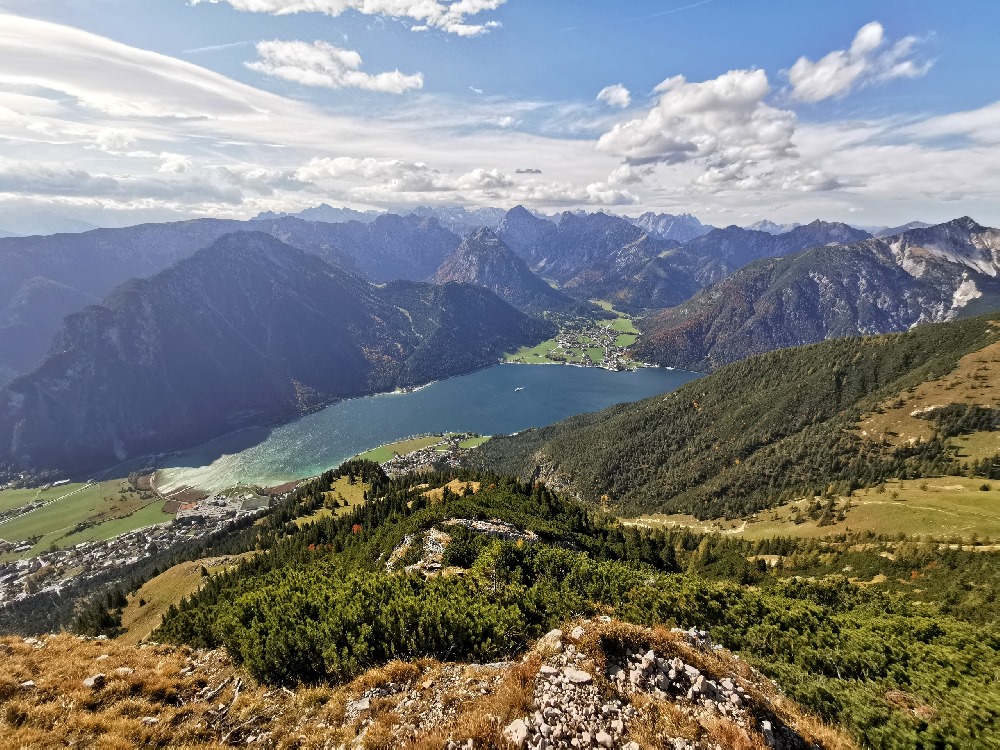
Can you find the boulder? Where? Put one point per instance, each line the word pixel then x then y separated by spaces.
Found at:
pixel 578 676
pixel 95 682
pixel 517 732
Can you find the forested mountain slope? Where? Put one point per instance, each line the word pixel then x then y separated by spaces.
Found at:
pixel 755 433
pixel 87 266
pixel 461 566
pixel 246 331
pixel 873 286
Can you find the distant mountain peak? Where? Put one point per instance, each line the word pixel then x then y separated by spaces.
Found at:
pixel 484 260
pixel 482 235
pixel 771 227
pixel 679 227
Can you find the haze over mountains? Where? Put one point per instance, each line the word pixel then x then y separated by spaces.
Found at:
pixel 246 331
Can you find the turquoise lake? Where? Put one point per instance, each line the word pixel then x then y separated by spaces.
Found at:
pixel 485 402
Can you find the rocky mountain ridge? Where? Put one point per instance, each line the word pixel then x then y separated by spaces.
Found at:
pixel 483 260
pixel 868 287
pixel 438 704
pixel 681 227
pixel 247 331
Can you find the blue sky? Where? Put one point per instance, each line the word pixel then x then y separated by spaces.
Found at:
pixel 115 111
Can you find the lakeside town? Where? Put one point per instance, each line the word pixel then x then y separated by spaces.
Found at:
pixel 190 515
pixel 586 343
pixel 446 452
pixel 51 571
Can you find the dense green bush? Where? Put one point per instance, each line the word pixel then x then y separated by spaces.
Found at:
pixel 319 605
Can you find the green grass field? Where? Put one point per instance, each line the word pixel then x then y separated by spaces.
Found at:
pixel 534 355
pixel 978 445
pixel 385 452
pixel 474 442
pixel 625 326
pixel 943 508
pixel 107 509
pixel 10 499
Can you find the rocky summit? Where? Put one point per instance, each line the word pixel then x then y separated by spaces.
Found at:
pixel 484 260
pixel 589 686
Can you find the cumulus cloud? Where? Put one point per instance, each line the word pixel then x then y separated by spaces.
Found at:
pixel 322 64
pixel 625 175
pixel 446 15
pixel 115 140
pixel 724 120
pixel 174 163
pixel 867 63
pixel 615 95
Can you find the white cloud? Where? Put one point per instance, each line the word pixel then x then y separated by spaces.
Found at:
pixel 625 175
pixel 447 15
pixel 100 131
pixel 393 182
pixel 724 120
pixel 615 95
pixel 115 140
pixel 322 64
pixel 839 72
pixel 979 125
pixel 174 181
pixel 174 163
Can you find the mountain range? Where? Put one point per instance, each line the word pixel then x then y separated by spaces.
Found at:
pixel 246 331
pixel 682 227
pixel 717 298
pixel 89 265
pixel 877 285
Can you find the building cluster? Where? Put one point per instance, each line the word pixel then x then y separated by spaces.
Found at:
pixel 51 571
pixel 582 340
pixel 447 453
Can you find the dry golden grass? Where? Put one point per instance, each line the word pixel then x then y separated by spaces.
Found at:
pixel 483 719
pixel 159 696
pixel 974 381
pixel 437 494
pixel 147 606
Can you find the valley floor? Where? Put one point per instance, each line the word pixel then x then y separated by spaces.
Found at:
pixel 945 509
